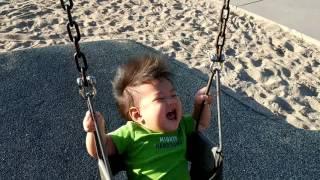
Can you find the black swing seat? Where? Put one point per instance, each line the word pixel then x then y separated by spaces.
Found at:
pixel 206 162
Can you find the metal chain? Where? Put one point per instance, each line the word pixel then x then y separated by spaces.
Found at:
pixel 70 25
pixel 215 68
pixel 217 65
pixel 218 58
pixel 224 16
pixel 86 83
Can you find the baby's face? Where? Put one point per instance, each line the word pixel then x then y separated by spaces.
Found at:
pixel 159 106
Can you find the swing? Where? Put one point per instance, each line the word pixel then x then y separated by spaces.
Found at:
pixel 206 160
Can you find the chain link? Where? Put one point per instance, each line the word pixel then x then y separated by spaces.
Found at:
pixel 64 6
pixel 224 16
pixel 70 25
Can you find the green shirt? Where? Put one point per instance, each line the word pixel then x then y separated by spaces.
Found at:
pixel 154 155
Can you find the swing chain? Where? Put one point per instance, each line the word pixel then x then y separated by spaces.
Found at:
pixel 86 83
pixel 219 58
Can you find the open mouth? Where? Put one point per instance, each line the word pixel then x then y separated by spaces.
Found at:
pixel 172 115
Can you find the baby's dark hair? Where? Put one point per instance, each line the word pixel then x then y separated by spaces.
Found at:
pixel 137 71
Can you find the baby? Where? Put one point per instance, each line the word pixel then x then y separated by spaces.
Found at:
pixel 154 139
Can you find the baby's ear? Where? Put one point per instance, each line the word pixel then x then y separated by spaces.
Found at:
pixel 135 114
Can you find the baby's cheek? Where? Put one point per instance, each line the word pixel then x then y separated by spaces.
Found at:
pixel 158 113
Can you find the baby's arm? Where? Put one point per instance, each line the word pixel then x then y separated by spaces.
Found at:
pixel 89 127
pixel 205 115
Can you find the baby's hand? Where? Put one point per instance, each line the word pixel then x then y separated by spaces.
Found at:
pixel 88 124
pixel 201 96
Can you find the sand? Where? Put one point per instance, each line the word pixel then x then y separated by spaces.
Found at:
pixel 266 63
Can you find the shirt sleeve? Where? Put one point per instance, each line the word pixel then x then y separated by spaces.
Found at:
pixel 188 123
pixel 122 137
